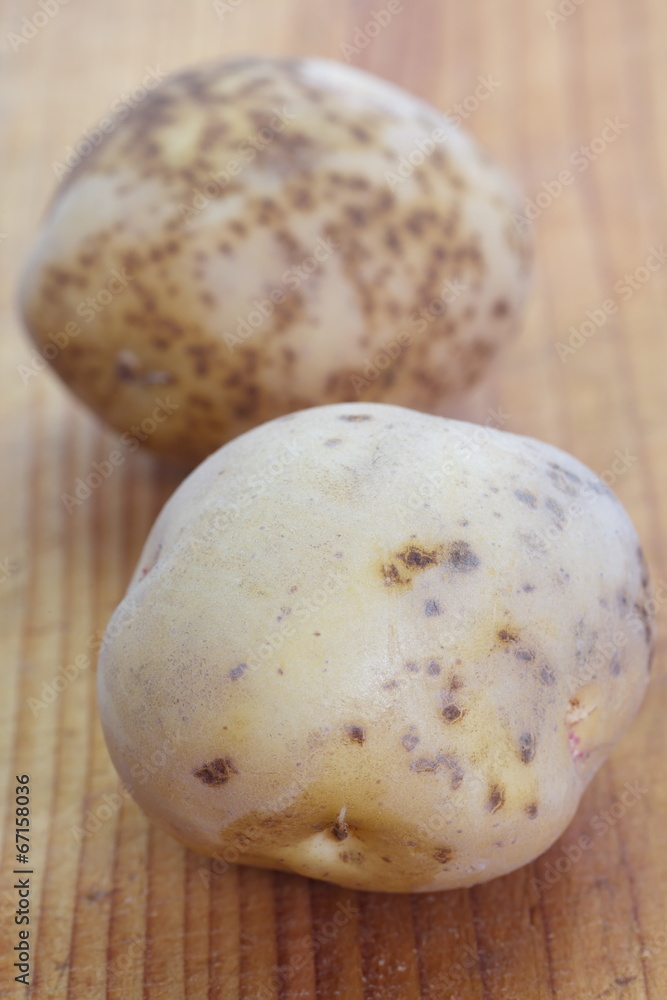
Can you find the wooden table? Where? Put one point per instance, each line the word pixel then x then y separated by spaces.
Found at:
pixel 124 912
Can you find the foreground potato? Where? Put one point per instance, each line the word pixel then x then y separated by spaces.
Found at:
pixel 377 647
pixel 264 235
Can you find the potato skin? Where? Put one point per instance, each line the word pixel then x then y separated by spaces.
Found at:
pixel 245 243
pixel 377 647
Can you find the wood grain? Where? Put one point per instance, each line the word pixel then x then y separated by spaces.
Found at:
pixel 125 913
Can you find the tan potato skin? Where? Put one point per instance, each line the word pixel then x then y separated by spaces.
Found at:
pixel 245 244
pixel 377 647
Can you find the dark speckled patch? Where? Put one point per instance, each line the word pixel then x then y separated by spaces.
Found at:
pixel 410 739
pixel 418 558
pixel 432 764
pixel 216 772
pixel 527 745
pixel 496 799
pixel 526 497
pixel 461 557
pixel 452 713
pixel 295 126
pixel 507 635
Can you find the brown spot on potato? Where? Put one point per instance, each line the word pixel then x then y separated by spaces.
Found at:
pixel 565 481
pixel 547 674
pixel 645 618
pixel 361 134
pixel 443 855
pixel 526 497
pixel 391 575
pixel 643 565
pixel 531 810
pixel 410 739
pixel 216 772
pixel 555 508
pixel 533 541
pixel 496 799
pixel 507 635
pixel 352 857
pixel 356 733
pixel 457 777
pixel 461 557
pixel 417 558
pixel 127 366
pixel 431 764
pixel 452 713
pixel 527 745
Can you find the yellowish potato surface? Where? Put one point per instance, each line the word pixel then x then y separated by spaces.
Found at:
pixel 377 647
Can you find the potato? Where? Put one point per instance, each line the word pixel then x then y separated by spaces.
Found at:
pixel 263 235
pixel 377 647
